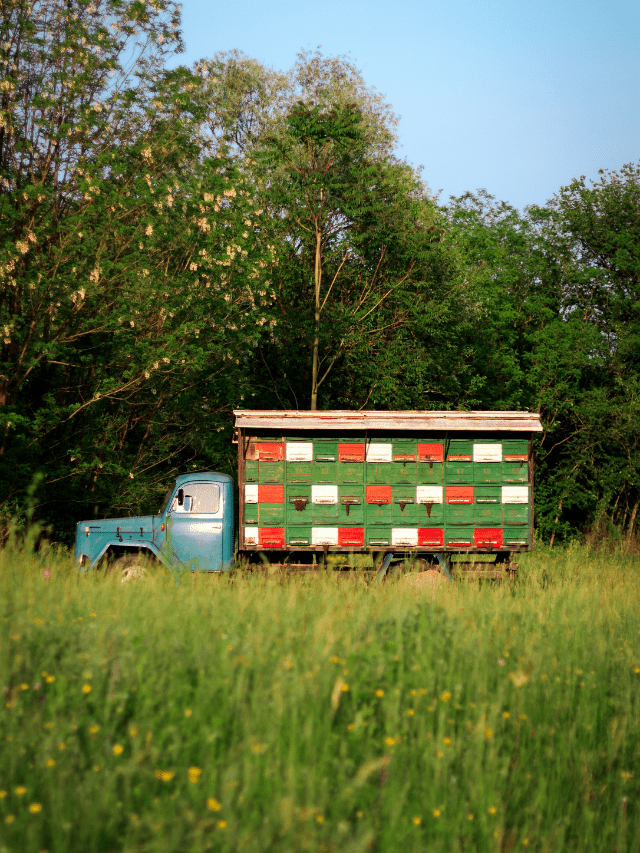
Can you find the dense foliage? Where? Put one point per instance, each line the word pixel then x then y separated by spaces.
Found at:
pixel 177 243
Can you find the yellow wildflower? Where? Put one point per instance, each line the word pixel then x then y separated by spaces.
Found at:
pixel 165 775
pixel 222 824
pixel 379 693
pixel 493 810
pixel 51 762
pixel 488 733
pixel 213 804
pixel 390 741
pixel 34 808
pixel 319 818
pixel 344 687
pixel 3 794
pixel 188 712
pixel 51 679
pixel 20 790
pixel 118 749
pixel 470 816
pixel 86 688
pixel 445 696
pixel 194 774
pixel 93 730
pixel 9 818
pixel 447 741
pixel 436 812
pixel 417 820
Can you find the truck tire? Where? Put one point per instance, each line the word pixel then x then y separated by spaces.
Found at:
pixel 129 567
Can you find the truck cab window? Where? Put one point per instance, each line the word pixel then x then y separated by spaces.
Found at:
pixel 198 499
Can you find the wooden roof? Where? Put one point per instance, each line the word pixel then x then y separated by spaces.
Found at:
pixel 423 421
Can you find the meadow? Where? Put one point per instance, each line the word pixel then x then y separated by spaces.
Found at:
pixel 240 713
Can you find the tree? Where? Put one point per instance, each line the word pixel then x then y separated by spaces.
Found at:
pixel 128 260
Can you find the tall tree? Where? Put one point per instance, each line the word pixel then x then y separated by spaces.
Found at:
pixel 128 258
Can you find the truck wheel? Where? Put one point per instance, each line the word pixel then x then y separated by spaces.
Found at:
pixel 129 567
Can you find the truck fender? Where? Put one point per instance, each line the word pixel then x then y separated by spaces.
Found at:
pixel 133 545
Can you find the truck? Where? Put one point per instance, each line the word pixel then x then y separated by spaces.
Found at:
pixel 436 488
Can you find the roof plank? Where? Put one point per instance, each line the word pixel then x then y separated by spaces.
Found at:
pixel 411 420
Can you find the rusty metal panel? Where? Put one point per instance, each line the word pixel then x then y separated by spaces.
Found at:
pixel 400 421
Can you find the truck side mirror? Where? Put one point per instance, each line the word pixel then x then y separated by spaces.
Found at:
pixel 180 497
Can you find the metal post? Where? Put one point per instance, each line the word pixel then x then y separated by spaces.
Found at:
pixel 445 563
pixel 382 571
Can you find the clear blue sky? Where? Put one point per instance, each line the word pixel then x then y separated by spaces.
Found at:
pixel 516 97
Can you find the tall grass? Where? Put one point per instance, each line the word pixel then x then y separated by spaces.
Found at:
pixel 244 714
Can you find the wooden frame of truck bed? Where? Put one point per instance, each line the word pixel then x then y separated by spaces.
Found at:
pixel 403 482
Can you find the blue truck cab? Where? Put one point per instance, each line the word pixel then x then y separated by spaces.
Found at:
pixel 194 528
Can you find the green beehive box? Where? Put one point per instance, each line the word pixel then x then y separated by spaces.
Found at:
pixel 515 472
pixel 298 536
pixel 404 509
pixel 251 471
pixel 515 514
pixel 488 506
pixel 270 515
pixel 271 472
pixel 325 461
pixel 298 472
pixel 378 536
pixel 298 504
pixel 515 536
pixel 487 472
pixel 458 467
pixel 377 514
pixel 429 473
pixel 250 513
pixel 458 513
pixel 378 472
pixel 350 505
pixel 458 536
pixel 487 515
pixel 430 514
pixel 351 472
pixel 515 447
pixel 403 468
pixel 402 472
pixel 324 515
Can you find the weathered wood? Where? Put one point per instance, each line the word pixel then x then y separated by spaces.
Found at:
pixel 415 421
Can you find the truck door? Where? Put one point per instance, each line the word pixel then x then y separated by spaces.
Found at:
pixel 195 525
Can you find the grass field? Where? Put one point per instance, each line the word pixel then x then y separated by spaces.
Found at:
pixel 198 713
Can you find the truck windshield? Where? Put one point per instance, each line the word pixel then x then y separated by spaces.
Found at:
pixel 205 498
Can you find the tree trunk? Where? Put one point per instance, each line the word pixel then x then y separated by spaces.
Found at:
pixel 316 337
pixel 634 512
